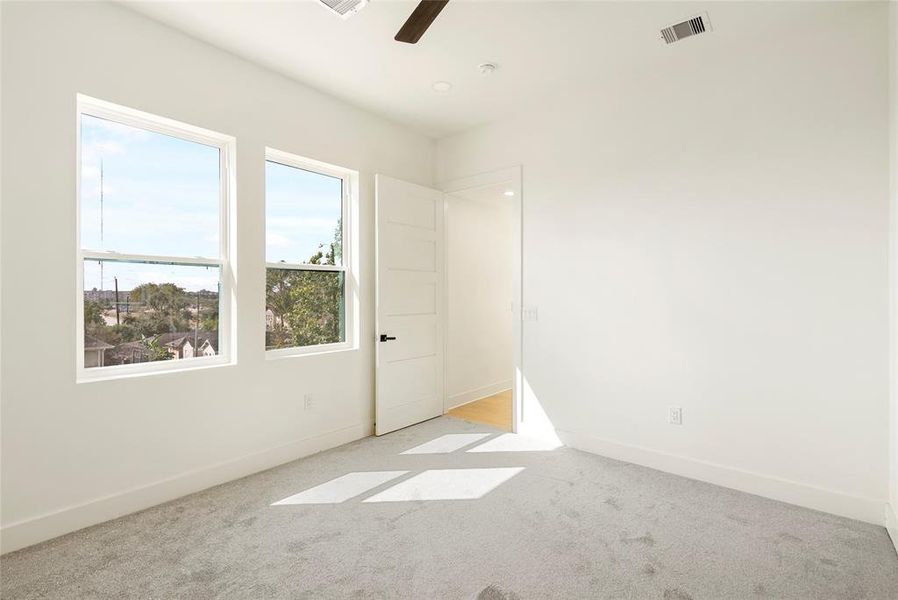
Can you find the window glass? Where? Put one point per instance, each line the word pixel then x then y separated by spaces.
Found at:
pixel 140 312
pixel 304 211
pixel 147 193
pixel 305 308
pixel 306 292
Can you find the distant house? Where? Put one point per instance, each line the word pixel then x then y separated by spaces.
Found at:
pixel 206 349
pixel 179 344
pixel 95 351
pixel 189 344
pixel 129 353
pixel 180 348
pixel 269 319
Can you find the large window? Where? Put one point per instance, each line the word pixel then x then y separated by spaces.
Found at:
pixel 307 252
pixel 153 252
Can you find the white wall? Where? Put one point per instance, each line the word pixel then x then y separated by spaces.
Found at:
pixel 711 231
pixel 78 454
pixel 479 257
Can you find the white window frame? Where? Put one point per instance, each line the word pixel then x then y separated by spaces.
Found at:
pixel 349 179
pixel 227 185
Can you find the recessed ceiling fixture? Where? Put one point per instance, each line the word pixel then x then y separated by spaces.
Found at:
pixel 344 8
pixel 509 193
pixel 487 68
pixel 441 87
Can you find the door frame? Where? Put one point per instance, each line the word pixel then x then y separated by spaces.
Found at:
pixel 514 175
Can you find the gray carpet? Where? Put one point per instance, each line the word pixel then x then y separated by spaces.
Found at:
pixel 568 525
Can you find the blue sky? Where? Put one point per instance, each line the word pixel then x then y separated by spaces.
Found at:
pixel 161 197
pixel 302 212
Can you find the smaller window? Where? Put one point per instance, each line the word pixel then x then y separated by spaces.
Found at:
pixel 307 307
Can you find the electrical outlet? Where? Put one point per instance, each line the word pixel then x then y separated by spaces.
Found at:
pixel 307 399
pixel 529 313
pixel 675 415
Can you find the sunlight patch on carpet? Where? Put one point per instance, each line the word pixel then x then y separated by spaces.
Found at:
pixel 342 488
pixel 447 484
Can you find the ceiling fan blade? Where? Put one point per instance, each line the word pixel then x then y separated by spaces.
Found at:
pixel 420 20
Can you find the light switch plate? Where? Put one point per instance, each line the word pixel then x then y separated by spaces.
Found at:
pixel 675 415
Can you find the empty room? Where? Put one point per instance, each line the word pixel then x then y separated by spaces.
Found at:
pixel 448 299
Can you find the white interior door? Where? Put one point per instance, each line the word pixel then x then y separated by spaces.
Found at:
pixel 409 295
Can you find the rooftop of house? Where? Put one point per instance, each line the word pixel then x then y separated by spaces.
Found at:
pixel 92 343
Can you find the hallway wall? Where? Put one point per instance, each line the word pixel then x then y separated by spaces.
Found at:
pixel 479 250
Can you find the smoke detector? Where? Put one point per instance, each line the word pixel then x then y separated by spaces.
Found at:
pixel 487 68
pixel 344 8
pixel 688 28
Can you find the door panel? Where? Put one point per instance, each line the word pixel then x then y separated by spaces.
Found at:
pixel 417 297
pixel 405 251
pixel 409 292
pixel 410 382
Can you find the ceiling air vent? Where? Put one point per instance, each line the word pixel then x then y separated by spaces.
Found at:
pixel 688 28
pixel 344 8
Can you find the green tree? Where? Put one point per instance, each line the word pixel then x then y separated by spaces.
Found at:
pixel 168 307
pixel 209 320
pixel 93 315
pixel 316 307
pixel 308 306
pixel 155 351
pixel 277 293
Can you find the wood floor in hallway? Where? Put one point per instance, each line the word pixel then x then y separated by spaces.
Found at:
pixel 493 410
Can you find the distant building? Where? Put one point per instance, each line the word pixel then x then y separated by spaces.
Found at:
pixel 179 345
pixel 95 351
pixel 206 349
pixel 189 344
pixel 128 353
pixel 180 348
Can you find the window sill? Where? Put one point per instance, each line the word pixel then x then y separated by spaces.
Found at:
pixel 282 353
pixel 117 372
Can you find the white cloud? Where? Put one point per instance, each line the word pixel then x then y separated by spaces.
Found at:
pixel 276 240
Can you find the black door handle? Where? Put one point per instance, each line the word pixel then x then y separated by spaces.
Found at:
pixel 386 338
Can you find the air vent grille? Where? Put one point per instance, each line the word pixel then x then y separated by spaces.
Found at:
pixel 345 8
pixel 688 28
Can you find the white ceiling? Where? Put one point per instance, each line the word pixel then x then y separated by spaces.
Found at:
pixel 542 48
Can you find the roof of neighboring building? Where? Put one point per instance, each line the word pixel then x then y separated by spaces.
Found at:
pixel 126 351
pixel 177 339
pixel 175 343
pixel 93 343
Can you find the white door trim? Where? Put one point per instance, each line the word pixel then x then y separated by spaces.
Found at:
pixel 514 175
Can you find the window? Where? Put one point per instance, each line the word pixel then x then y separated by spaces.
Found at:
pixel 153 252
pixel 307 252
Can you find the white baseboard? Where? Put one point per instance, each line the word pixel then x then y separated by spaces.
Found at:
pixel 44 527
pixel 892 523
pixel 800 494
pixel 478 394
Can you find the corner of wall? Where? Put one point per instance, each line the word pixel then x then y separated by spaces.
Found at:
pixel 892 523
pixel 891 516
pixel 434 162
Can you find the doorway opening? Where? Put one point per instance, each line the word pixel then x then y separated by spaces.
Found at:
pixel 482 217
